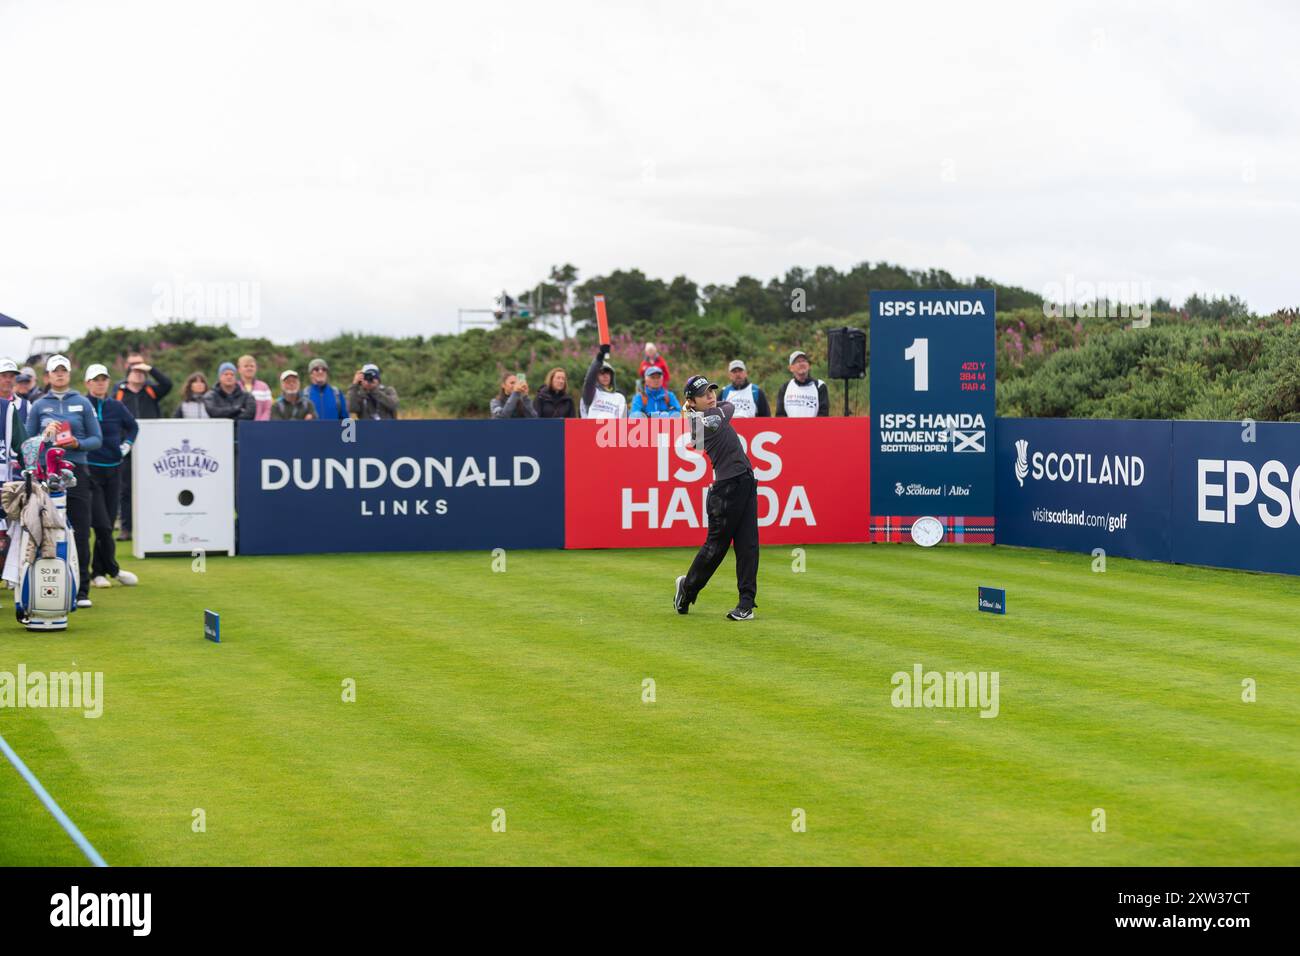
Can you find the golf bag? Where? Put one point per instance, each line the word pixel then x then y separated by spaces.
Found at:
pixel 45 570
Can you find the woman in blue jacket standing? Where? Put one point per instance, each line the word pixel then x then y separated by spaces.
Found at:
pixel 119 430
pixel 65 417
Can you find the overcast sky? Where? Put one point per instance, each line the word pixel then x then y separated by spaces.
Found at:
pixel 376 165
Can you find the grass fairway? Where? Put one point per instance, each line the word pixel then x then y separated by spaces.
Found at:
pixel 523 690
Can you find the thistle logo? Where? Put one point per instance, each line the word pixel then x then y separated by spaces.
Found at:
pixel 1022 460
pixel 898 488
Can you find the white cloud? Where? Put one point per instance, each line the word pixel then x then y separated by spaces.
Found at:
pixel 377 165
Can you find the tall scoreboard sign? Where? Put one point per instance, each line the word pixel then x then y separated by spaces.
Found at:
pixel 932 412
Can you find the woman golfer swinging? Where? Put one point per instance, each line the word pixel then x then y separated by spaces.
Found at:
pixel 732 501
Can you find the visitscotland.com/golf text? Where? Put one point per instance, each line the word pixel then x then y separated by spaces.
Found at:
pixel 1081 519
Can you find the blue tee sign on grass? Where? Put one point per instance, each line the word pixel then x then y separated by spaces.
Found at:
pixel 932 411
pixel 212 626
pixel 993 600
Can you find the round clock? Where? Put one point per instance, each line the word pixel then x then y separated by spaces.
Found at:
pixel 927 531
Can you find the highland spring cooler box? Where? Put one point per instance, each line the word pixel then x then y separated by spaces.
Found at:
pixel 183 486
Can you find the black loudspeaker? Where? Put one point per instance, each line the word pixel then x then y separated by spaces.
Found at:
pixel 846 353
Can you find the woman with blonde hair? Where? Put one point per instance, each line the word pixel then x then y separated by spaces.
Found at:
pixel 260 391
pixel 553 399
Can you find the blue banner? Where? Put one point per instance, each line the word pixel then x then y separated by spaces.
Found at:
pixel 1082 484
pixel 1236 495
pixel 308 487
pixel 932 403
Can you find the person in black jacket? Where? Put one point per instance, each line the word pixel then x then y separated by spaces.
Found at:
pixel 107 464
pixel 228 399
pixel 732 502
pixel 142 392
pixel 553 401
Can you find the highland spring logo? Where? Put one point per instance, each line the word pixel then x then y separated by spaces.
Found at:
pixel 185 462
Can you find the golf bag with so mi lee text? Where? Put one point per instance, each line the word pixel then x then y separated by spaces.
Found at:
pixel 42 560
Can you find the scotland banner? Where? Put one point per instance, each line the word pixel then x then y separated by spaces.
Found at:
pixel 400 486
pixel 932 410
pixel 1236 495
pixel 1084 484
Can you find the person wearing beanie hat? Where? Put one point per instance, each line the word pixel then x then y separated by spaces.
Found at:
pixel 328 400
pixel 107 464
pixel 599 399
pixel 228 399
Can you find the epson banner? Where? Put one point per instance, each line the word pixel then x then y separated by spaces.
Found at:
pixel 400 486
pixel 1082 484
pixel 1236 495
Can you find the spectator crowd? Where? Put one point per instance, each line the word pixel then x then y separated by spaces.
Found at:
pixel 802 396
pixel 98 429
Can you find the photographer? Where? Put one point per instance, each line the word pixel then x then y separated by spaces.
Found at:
pixel 512 400
pixel 369 398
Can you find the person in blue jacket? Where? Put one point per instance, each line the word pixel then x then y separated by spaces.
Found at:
pixel 59 405
pixel 656 401
pixel 107 464
pixel 329 401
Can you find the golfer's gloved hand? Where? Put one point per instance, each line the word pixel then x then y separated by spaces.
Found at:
pixel 604 351
pixel 125 448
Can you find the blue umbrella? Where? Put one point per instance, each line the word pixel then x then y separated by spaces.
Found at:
pixel 6 322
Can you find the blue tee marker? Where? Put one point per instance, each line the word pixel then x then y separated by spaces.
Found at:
pixel 212 626
pixel 993 600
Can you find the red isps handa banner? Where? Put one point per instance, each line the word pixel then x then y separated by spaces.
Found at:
pixel 635 483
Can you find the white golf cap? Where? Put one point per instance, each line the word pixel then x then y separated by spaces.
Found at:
pixel 796 354
pixel 286 373
pixel 95 371
pixel 8 365
pixel 57 361
pixel 737 364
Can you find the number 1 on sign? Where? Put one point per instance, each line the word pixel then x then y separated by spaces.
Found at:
pixel 919 351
